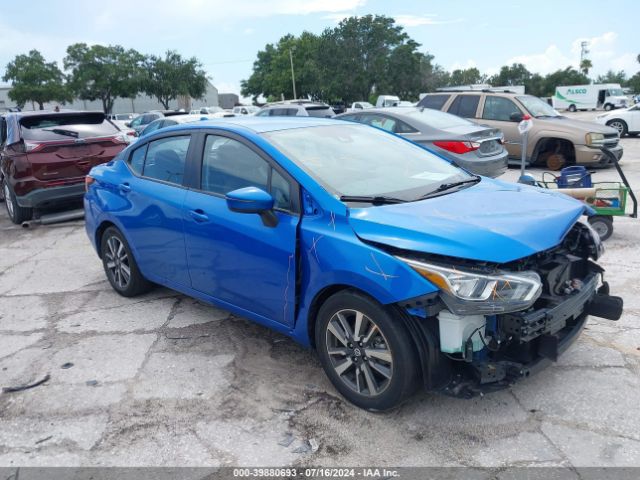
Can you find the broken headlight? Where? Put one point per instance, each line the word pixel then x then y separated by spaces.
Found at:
pixel 466 292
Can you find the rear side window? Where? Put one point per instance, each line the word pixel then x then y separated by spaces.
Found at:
pixel 66 126
pixel 136 160
pixel 228 165
pixel 166 158
pixel 322 112
pixel 436 102
pixel 465 106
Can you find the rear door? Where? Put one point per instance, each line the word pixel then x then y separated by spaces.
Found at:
pixel 465 106
pixel 154 194
pixel 435 101
pixel 496 112
pixel 67 145
pixel 232 256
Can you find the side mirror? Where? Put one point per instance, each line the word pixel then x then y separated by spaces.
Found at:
pixel 127 124
pixel 516 117
pixel 253 200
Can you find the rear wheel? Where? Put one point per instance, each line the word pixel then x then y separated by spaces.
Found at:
pixel 552 160
pixel 120 266
pixel 619 125
pixel 572 108
pixel 366 352
pixel 17 214
pixel 603 225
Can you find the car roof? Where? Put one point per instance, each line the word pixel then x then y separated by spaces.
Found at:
pixel 259 124
pixel 28 113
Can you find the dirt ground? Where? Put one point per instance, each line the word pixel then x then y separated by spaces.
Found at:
pixel 163 380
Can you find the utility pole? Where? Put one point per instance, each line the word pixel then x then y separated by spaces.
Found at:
pixel 293 77
pixel 583 50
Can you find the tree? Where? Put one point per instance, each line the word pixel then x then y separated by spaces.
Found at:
pixel 567 76
pixel 169 77
pixel 359 57
pixel 612 77
pixel 35 80
pixel 103 72
pixel 516 74
pixel 585 66
pixel 634 83
pixel 467 76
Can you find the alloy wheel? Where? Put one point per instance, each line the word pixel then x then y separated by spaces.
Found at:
pixel 618 126
pixel 359 353
pixel 117 262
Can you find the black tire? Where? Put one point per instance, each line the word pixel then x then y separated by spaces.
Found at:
pixel 392 381
pixel 17 214
pixel 603 225
pixel 116 264
pixel 620 125
pixel 608 107
pixel 572 108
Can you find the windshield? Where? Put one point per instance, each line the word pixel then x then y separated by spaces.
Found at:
pixel 365 104
pixel 616 92
pixel 357 160
pixel 537 107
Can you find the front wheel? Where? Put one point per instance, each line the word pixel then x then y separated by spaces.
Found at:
pixel 603 225
pixel 17 214
pixel 608 107
pixel 119 265
pixel 365 351
pixel 619 125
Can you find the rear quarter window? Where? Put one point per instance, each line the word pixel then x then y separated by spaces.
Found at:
pixel 322 112
pixel 66 126
pixel 465 106
pixel 435 102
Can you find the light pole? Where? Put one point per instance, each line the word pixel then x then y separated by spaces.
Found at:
pixel 293 77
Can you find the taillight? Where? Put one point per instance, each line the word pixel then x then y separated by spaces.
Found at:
pixel 87 182
pixel 457 147
pixel 33 146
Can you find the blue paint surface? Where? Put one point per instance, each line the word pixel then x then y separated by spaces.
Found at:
pixel 273 275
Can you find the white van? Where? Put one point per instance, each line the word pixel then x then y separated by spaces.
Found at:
pixel 387 101
pixel 589 97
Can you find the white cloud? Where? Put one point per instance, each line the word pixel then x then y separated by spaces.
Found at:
pixel 463 66
pixel 248 31
pixel 422 20
pixel 604 54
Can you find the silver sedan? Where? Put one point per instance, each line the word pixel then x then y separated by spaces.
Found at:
pixel 474 147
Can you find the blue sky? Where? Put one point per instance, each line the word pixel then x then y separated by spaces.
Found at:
pixel 226 35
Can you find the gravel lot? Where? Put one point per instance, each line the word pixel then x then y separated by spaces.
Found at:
pixel 163 380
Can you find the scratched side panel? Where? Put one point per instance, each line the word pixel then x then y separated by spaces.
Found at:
pixel 331 254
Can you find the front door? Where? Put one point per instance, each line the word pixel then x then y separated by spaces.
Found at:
pixel 233 256
pixel 496 113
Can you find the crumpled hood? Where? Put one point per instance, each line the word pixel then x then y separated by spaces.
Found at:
pixel 492 221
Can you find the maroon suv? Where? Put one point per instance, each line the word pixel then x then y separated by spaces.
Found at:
pixel 45 156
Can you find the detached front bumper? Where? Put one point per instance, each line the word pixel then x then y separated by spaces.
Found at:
pixel 536 339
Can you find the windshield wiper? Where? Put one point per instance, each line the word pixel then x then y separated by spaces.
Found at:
pixel 60 131
pixel 374 200
pixel 448 186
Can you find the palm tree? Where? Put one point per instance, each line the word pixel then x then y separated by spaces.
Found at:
pixel 586 65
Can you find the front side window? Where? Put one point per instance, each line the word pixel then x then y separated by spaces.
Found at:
pixel 499 108
pixel 166 158
pixel 136 160
pixel 356 160
pixel 379 121
pixel 228 165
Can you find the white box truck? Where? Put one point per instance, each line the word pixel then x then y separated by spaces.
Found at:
pixel 589 97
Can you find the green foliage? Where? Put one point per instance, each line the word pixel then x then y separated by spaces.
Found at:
pixel 567 76
pixel 634 83
pixel 172 76
pixel 516 74
pixel 103 72
pixel 612 77
pixel 467 76
pixel 585 66
pixel 35 80
pixel 360 57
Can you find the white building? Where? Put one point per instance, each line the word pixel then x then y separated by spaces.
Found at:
pixel 142 103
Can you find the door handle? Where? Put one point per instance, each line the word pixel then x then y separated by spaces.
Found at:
pixel 124 187
pixel 199 215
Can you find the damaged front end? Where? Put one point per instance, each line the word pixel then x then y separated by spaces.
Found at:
pixel 491 324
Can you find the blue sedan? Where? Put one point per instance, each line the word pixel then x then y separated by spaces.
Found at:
pixel 399 268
